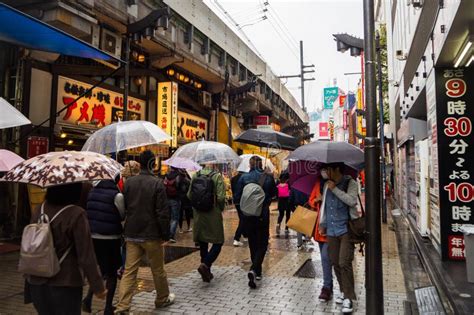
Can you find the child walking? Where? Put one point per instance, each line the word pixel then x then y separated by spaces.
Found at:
pixel 283 204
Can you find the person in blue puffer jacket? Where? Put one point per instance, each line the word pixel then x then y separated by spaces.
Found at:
pixel 106 211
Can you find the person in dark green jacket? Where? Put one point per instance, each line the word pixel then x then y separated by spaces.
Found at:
pixel 208 225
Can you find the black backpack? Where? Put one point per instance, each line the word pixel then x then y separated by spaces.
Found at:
pixel 202 192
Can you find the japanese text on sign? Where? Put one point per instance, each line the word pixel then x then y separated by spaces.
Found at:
pixel 191 127
pixel 168 110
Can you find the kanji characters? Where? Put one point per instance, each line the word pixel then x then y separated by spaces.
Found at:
pixel 459 146
pixel 461 213
pixel 70 109
pixel 84 113
pixel 456 107
pixel 98 115
pixel 457 252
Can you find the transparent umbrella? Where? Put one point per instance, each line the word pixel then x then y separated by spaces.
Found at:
pixel 125 135
pixel 244 165
pixel 208 152
pixel 11 117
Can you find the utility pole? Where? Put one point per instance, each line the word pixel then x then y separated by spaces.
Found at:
pixel 301 75
pixel 373 263
pixel 382 135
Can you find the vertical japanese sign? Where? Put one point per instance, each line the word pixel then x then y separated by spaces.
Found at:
pixel 323 130
pixel 37 146
pixel 342 100
pixel 456 189
pixel 330 96
pixel 344 119
pixel 168 110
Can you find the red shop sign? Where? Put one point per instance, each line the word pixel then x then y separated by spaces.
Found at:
pixel 262 120
pixel 37 146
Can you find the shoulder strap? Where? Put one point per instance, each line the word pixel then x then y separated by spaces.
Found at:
pixel 361 205
pixel 59 212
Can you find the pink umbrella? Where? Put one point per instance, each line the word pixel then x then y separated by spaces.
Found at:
pixel 8 160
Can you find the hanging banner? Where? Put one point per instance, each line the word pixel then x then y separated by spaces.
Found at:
pixel 344 119
pixel 167 114
pixel 191 127
pixel 330 96
pixel 323 130
pixel 99 108
pixel 342 100
pixel 454 112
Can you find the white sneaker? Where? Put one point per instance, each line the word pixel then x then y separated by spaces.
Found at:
pixel 172 240
pixel 238 243
pixel 347 306
pixel 340 299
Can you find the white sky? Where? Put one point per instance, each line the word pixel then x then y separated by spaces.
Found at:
pixel 314 22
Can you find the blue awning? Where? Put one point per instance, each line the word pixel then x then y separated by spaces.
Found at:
pixel 24 30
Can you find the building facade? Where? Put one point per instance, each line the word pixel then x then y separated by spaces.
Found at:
pixel 430 62
pixel 177 79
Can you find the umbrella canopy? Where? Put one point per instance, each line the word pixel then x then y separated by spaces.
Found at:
pixel 244 165
pixel 11 117
pixel 208 152
pixel 268 138
pixel 330 152
pixel 125 135
pixel 58 168
pixel 8 160
pixel 183 163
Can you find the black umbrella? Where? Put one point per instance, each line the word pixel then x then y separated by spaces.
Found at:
pixel 268 139
pixel 330 152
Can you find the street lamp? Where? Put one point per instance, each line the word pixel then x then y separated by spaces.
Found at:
pixel 143 28
pixel 373 260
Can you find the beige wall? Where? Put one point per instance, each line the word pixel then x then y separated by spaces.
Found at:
pixel 40 96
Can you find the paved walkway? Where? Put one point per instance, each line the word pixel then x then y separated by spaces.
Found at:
pixel 280 292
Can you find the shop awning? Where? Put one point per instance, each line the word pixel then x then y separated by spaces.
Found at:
pixel 24 30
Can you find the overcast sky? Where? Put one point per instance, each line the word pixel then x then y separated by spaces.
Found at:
pixel 289 21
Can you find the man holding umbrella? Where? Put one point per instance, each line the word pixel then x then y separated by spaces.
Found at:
pixel 340 205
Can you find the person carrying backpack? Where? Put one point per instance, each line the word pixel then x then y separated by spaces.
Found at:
pixel 173 185
pixel 59 290
pixel 207 195
pixel 255 191
pixel 106 211
pixel 340 204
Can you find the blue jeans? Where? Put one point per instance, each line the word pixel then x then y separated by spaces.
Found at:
pixel 327 265
pixel 175 209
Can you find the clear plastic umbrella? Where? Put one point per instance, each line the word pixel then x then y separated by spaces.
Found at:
pixel 208 152
pixel 8 160
pixel 125 135
pixel 244 165
pixel 11 117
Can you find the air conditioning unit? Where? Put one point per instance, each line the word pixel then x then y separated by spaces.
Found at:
pixel 206 99
pixel 400 55
pixel 111 42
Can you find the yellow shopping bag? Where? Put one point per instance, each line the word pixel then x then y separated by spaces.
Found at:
pixel 303 221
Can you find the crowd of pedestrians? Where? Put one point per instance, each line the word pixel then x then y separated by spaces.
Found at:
pixel 112 225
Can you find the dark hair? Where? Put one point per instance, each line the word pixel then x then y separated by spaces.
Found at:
pixel 147 160
pixel 64 194
pixel 340 166
pixel 255 162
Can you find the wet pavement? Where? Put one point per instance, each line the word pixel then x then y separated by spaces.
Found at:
pixel 280 291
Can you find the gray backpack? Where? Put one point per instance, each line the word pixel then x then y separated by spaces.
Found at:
pixel 251 201
pixel 37 254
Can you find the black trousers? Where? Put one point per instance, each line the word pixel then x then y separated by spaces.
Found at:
pixel 208 257
pixel 240 228
pixel 258 234
pixel 283 209
pixel 49 300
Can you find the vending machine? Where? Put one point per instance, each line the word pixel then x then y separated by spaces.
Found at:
pixel 422 185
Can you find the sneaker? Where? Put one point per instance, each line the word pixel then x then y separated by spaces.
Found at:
pixel 278 229
pixel 326 295
pixel 287 231
pixel 340 299
pixel 238 243
pixel 180 231
pixel 301 247
pixel 205 273
pixel 251 275
pixel 258 277
pixel 347 306
pixel 189 230
pixel 172 240
pixel 168 301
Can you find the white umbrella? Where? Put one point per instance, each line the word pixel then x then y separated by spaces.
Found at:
pixel 244 165
pixel 10 116
pixel 125 135
pixel 8 160
pixel 208 152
